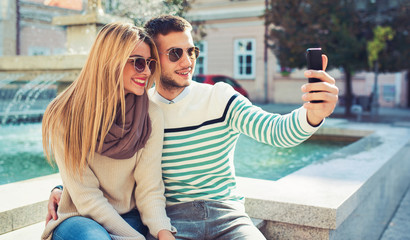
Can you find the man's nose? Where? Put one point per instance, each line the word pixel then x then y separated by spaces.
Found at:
pixel 186 60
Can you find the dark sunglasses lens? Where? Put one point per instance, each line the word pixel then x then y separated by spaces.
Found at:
pixel 139 64
pixel 193 52
pixel 175 54
pixel 152 65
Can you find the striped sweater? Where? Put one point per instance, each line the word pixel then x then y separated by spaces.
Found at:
pixel 201 132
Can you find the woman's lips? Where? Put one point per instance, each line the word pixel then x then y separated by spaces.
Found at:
pixel 139 82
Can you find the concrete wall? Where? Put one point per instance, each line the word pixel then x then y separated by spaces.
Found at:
pixel 7 28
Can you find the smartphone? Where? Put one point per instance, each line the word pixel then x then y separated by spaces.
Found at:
pixel 314 61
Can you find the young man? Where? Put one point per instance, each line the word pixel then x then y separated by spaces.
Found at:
pixel 202 124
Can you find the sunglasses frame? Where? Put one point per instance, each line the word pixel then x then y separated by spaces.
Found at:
pixel 195 49
pixel 147 64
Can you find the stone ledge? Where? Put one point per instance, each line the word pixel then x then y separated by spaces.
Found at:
pixel 25 203
pixel 27 233
pixel 337 197
pixel 23 207
pixel 33 63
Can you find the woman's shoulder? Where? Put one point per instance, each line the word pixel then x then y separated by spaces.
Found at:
pixel 154 109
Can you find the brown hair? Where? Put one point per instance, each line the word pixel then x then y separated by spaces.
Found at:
pixel 165 24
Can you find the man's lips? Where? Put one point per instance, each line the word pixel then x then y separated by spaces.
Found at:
pixel 184 71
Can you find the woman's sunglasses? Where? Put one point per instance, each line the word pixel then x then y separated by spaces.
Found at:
pixel 174 54
pixel 140 63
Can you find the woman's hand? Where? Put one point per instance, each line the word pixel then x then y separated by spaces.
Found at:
pixel 53 202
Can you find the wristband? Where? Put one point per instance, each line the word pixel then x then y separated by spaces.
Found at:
pixel 58 186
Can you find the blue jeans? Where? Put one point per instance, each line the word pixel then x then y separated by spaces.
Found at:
pixel 212 220
pixel 82 228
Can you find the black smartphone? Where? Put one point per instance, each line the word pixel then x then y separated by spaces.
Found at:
pixel 314 61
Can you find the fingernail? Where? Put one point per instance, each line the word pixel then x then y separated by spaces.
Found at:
pixel 308 72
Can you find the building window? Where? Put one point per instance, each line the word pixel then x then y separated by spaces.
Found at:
pixel 389 93
pixel 244 58
pixel 201 66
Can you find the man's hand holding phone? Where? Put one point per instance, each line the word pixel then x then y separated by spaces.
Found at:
pixel 321 93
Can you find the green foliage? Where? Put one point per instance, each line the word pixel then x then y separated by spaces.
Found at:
pixel 343 28
pixel 379 42
pixel 397 53
pixel 331 24
pixel 180 6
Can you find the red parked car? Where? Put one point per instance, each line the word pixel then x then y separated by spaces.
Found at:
pixel 212 79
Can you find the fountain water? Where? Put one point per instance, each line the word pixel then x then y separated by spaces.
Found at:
pixel 6 78
pixel 28 101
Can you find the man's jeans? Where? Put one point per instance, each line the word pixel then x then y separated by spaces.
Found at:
pixel 82 228
pixel 212 220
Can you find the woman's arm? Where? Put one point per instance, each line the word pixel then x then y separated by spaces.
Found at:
pixel 149 192
pixel 90 202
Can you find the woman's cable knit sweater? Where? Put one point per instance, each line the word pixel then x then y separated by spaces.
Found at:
pixel 112 187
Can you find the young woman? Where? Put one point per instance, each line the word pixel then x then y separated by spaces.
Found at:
pixel 106 138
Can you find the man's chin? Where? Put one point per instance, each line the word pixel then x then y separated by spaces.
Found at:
pixel 172 84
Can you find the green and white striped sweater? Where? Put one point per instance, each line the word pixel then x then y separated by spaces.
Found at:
pixel 201 131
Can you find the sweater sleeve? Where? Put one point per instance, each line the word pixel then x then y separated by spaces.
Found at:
pixel 90 201
pixel 149 193
pixel 274 129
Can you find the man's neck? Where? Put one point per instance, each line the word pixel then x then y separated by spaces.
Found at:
pixel 169 94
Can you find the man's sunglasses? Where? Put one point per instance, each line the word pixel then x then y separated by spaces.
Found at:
pixel 140 63
pixel 174 54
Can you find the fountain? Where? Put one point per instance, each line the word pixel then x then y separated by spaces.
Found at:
pixel 44 74
pixel 30 100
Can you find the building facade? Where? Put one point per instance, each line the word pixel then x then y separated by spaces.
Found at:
pixel 234 45
pixel 26 26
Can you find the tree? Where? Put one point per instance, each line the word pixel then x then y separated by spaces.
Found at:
pixel 378 43
pixel 374 48
pixel 143 10
pixel 397 53
pixel 341 27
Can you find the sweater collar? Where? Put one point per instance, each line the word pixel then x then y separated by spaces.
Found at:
pixel 178 98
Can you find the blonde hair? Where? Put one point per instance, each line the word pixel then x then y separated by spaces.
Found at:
pixel 87 108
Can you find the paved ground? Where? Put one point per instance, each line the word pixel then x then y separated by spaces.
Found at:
pixel 399 227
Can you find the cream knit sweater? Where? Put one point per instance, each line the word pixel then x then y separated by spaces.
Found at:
pixel 112 187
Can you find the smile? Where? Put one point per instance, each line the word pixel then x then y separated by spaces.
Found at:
pixel 184 71
pixel 139 82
